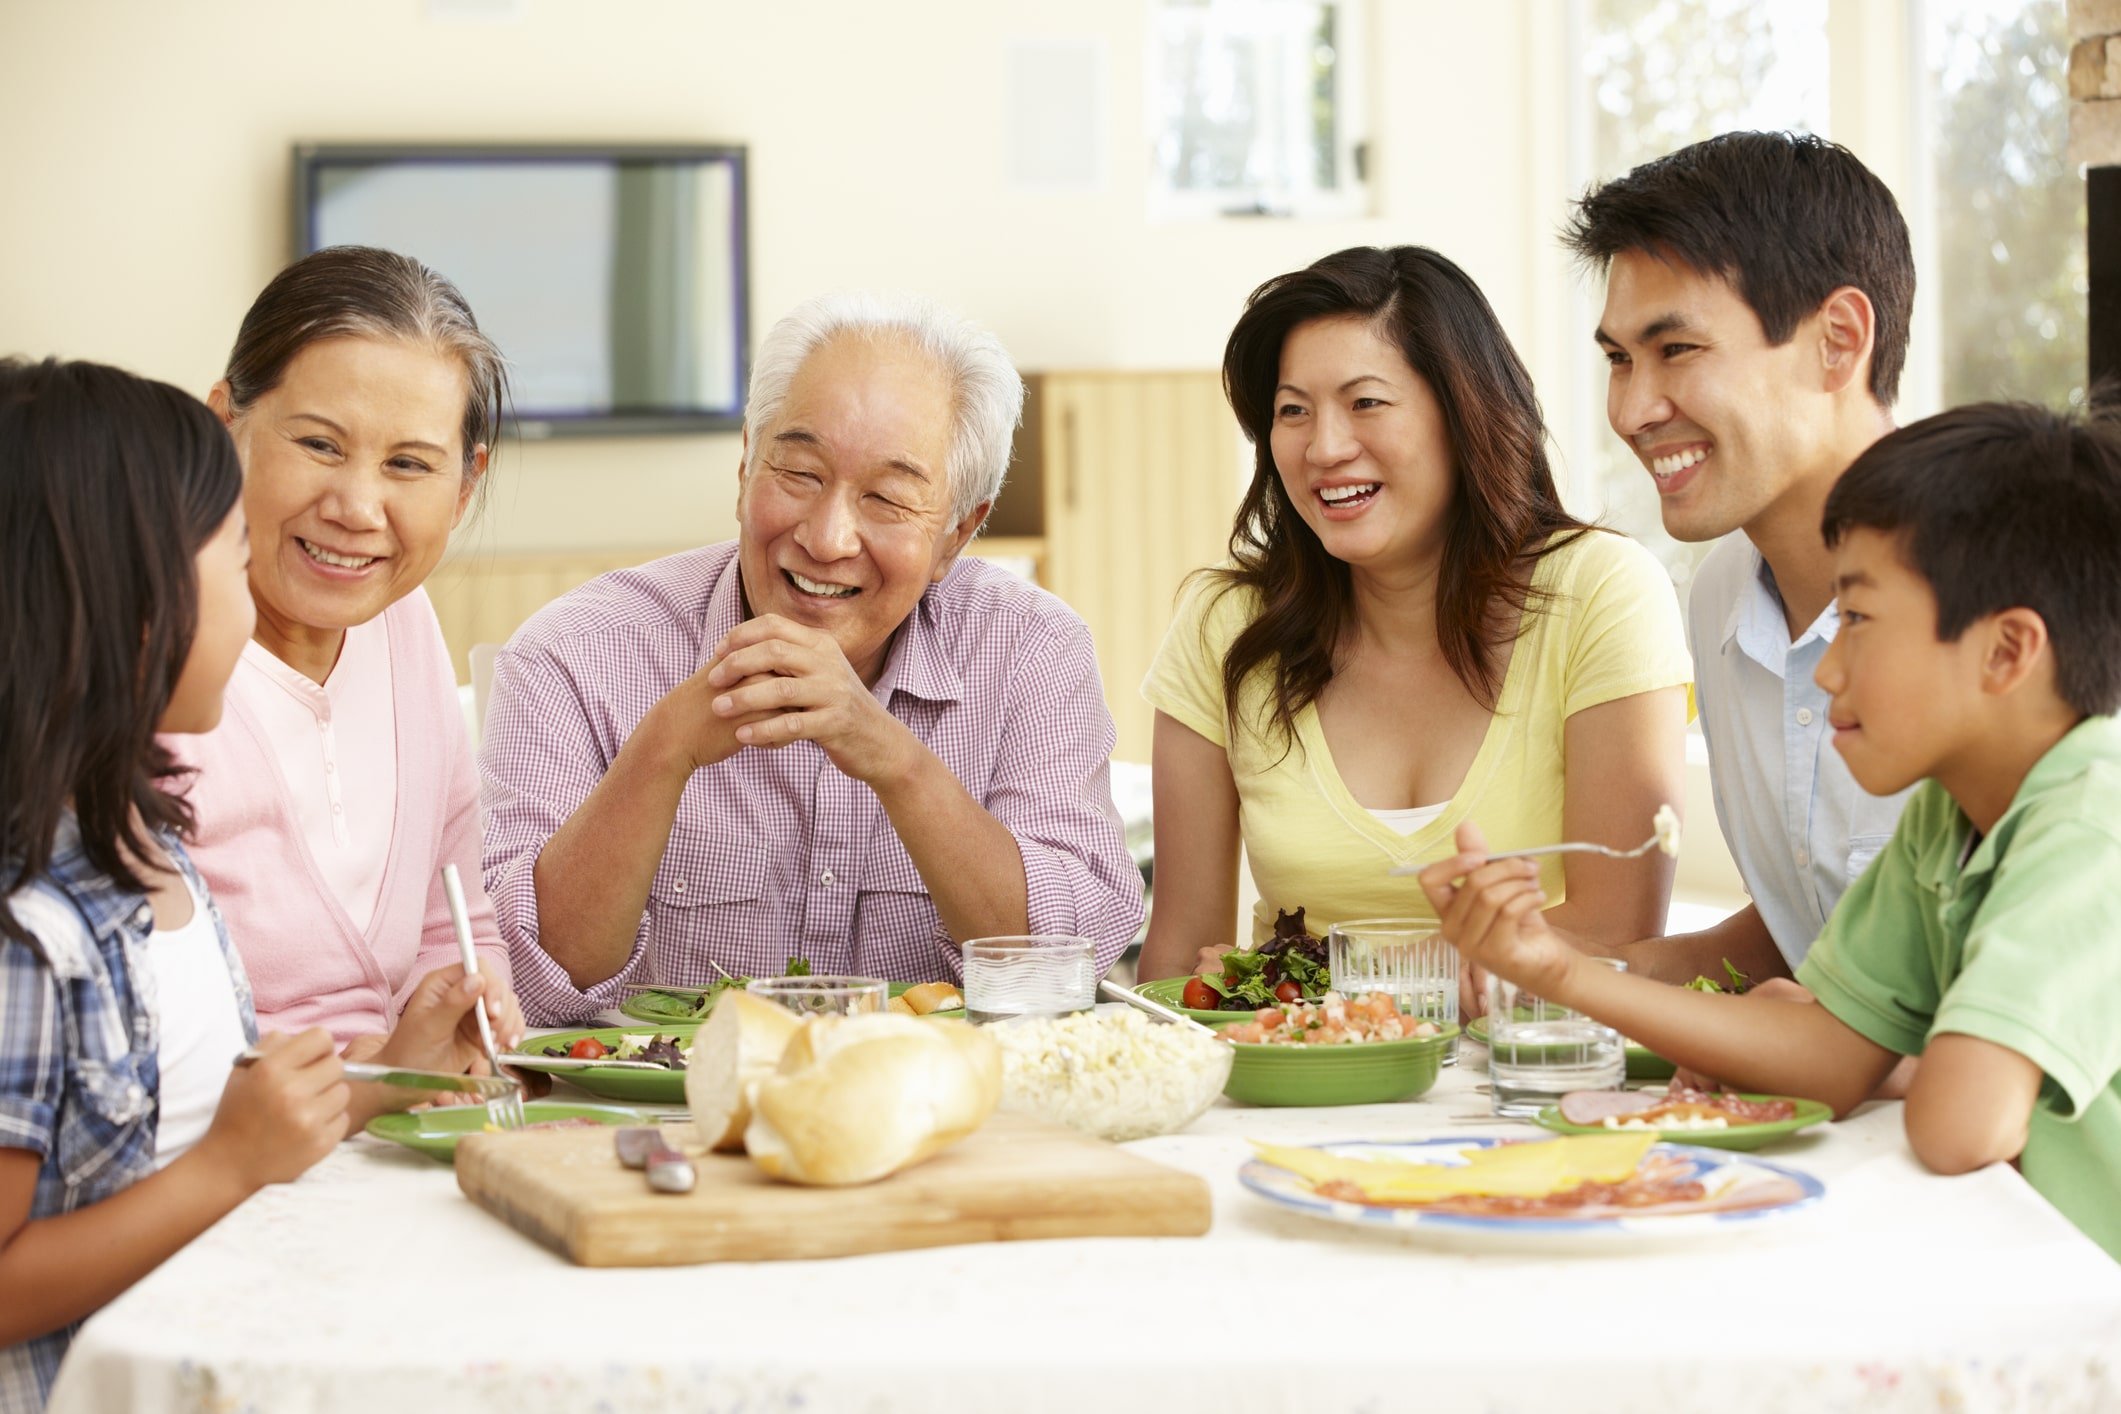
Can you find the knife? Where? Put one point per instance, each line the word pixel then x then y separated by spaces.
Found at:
pixel 490 1086
pixel 667 1170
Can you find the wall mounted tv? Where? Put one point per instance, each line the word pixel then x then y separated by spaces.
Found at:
pixel 615 279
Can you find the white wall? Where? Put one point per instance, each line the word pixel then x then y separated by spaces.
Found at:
pixel 143 185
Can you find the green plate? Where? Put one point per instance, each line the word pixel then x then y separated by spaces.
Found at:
pixel 1643 1063
pixel 654 1087
pixel 1168 990
pixel 1360 1073
pixel 435 1132
pixel 1742 1136
pixel 667 1008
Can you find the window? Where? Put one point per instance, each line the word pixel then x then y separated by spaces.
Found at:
pixel 1256 109
pixel 1657 75
pixel 2009 261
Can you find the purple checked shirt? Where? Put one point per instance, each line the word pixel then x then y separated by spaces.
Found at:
pixel 776 854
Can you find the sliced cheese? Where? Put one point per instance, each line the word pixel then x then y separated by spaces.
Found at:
pixel 1532 1170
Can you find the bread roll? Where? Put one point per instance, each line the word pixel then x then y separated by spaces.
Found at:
pixel 739 1046
pixel 932 996
pixel 859 1097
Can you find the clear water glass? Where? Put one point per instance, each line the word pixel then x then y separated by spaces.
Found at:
pixel 1036 975
pixel 823 995
pixel 1539 1050
pixel 1406 957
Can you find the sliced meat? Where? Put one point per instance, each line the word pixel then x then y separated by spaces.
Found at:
pixel 1591 1107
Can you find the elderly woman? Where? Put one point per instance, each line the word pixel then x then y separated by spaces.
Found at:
pixel 1411 633
pixel 363 400
pixel 832 737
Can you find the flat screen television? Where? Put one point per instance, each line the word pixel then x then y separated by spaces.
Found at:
pixel 614 278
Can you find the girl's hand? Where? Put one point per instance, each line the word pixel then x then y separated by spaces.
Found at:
pixel 1491 913
pixel 282 1112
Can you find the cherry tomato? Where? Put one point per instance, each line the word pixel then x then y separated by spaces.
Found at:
pixel 589 1048
pixel 1199 996
pixel 1288 992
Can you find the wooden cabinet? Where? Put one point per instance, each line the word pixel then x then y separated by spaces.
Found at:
pixel 1124 483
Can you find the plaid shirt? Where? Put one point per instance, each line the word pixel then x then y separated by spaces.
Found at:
pixel 78 1055
pixel 776 853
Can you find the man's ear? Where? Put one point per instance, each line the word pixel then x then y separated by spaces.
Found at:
pixel 743 461
pixel 2018 649
pixel 221 398
pixel 957 538
pixel 1848 335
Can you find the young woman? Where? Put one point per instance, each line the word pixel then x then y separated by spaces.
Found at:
pixel 125 1130
pixel 363 400
pixel 1411 632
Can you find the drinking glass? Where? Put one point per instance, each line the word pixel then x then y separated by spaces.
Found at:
pixel 823 996
pixel 1539 1050
pixel 1406 957
pixel 1037 975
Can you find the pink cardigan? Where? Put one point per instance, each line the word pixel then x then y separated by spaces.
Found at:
pixel 309 965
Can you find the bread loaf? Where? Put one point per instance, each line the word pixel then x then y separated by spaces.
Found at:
pixel 859 1097
pixel 738 1047
pixel 932 997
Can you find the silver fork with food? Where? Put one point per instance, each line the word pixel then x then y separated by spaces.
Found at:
pixel 1664 836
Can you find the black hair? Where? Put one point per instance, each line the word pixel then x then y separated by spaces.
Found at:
pixel 109 486
pixel 2004 506
pixel 1504 511
pixel 1786 218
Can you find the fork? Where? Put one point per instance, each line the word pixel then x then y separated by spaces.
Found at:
pixel 1667 828
pixel 502 1111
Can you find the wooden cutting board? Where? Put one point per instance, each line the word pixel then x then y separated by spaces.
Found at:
pixel 1015 1178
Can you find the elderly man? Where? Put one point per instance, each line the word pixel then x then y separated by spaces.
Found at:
pixel 833 738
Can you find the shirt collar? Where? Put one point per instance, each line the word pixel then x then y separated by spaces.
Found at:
pixel 2091 741
pixel 1758 624
pixel 104 905
pixel 915 664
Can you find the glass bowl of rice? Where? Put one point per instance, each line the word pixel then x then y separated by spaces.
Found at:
pixel 1111 1071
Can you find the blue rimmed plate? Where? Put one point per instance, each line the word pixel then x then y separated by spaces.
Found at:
pixel 1746 1194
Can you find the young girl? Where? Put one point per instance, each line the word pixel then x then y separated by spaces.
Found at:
pixel 125 1130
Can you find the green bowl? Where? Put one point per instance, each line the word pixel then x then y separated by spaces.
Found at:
pixel 1743 1136
pixel 435 1132
pixel 669 1008
pixel 1358 1073
pixel 654 1087
pixel 1168 990
pixel 1643 1063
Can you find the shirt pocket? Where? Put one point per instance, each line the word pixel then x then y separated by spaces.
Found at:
pixel 896 925
pixel 1863 850
pixel 707 901
pixel 113 1122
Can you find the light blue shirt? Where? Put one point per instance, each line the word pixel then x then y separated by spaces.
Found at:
pixel 1797 823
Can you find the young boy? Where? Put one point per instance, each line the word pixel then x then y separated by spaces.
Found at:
pixel 1980 654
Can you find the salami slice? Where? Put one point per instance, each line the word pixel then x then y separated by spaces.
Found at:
pixel 1591 1107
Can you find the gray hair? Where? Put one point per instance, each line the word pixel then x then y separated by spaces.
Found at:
pixel 363 292
pixel 987 396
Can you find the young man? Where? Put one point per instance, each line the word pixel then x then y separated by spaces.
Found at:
pixel 1758 289
pixel 1979 654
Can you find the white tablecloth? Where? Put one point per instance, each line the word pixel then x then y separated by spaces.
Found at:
pixel 373 1285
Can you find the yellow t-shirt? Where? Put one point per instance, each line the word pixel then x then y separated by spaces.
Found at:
pixel 1609 628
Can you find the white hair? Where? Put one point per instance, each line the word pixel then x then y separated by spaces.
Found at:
pixel 986 395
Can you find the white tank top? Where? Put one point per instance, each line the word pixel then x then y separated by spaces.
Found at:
pixel 201 1031
pixel 1412 819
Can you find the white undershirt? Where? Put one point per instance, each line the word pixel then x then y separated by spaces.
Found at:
pixel 1411 820
pixel 201 1031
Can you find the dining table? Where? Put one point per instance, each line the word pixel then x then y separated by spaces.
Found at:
pixel 373 1284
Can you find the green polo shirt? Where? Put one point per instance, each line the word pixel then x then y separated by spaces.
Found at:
pixel 2018 943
